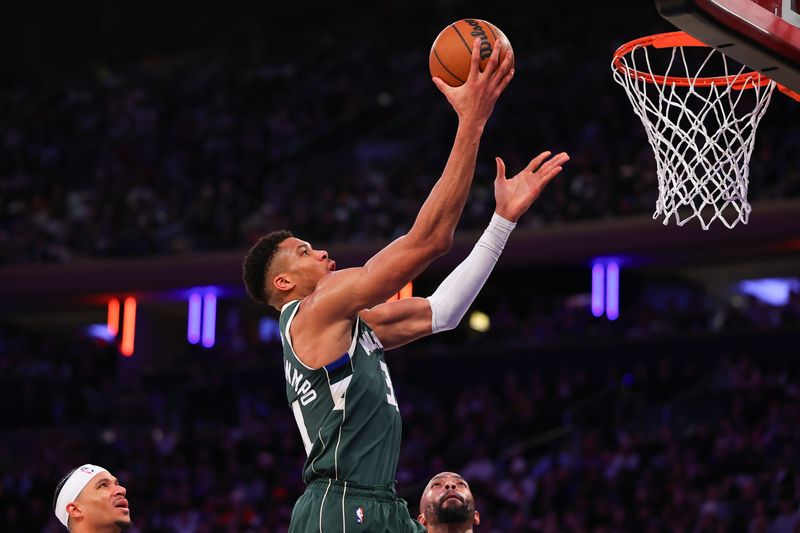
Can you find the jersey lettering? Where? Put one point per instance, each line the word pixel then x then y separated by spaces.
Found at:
pixel 369 342
pixel 294 379
pixel 309 397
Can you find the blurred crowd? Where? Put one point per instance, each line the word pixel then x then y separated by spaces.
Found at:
pixel 270 126
pixel 688 424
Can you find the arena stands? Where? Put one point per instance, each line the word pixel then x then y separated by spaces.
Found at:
pixel 206 147
pixel 562 432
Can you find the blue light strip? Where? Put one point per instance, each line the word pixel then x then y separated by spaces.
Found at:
pixel 612 290
pixel 209 319
pixel 598 289
pixel 193 326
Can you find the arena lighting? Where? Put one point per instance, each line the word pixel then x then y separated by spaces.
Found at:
pixel 113 317
pixel 268 329
pixel 598 290
pixel 193 326
pixel 612 290
pixel 605 288
pixel 128 326
pixel 209 319
pixel 479 321
pixel 100 332
pixel 774 291
pixel 406 292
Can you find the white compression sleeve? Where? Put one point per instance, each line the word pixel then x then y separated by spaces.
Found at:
pixel 450 301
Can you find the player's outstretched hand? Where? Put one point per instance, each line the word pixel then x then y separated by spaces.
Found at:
pixel 474 101
pixel 515 195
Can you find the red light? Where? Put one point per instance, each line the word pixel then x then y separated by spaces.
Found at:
pixel 113 317
pixel 128 327
pixel 405 292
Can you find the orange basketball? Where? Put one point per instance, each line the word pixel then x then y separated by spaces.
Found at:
pixel 452 49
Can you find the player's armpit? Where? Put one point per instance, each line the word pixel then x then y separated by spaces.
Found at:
pixel 399 322
pixel 322 329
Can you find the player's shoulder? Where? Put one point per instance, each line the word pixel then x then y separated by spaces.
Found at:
pixel 332 282
pixel 329 300
pixel 317 333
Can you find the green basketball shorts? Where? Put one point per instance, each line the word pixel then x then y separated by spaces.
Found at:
pixel 329 506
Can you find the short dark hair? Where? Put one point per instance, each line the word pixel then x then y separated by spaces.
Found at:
pixel 61 486
pixel 257 263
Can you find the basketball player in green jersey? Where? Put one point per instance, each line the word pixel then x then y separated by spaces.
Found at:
pixel 335 327
pixel 447 505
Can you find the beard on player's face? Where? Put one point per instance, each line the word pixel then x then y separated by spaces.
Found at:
pixel 453 513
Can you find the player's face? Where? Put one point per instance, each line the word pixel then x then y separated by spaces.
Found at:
pixel 305 264
pixel 103 503
pixel 448 500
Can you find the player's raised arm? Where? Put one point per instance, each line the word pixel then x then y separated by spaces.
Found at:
pixel 345 293
pixel 397 323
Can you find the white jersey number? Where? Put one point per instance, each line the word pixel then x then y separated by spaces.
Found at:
pixel 390 395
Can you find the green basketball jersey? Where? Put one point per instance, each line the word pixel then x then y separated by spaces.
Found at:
pixel 346 411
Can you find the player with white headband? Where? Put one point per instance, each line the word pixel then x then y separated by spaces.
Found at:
pixel 90 500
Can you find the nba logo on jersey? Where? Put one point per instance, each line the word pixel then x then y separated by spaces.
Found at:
pixel 360 515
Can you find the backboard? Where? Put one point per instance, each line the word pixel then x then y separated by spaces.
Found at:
pixel 762 34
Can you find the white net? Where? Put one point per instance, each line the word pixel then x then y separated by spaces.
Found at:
pixel 702 132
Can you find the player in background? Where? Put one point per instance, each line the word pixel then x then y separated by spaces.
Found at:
pixel 90 500
pixel 447 505
pixel 335 327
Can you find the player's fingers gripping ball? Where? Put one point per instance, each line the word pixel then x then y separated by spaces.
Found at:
pixel 451 52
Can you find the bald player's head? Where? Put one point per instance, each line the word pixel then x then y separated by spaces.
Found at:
pixel 447 501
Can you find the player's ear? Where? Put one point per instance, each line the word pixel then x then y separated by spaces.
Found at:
pixel 283 282
pixel 477 520
pixel 74 510
pixel 421 519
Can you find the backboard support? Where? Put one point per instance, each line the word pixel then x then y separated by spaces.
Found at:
pixel 762 34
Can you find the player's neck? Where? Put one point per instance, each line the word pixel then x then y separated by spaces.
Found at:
pixel 288 299
pixel 450 528
pixel 294 295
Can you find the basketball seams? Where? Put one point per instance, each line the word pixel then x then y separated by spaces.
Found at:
pixel 469 48
pixel 436 55
pixel 489 25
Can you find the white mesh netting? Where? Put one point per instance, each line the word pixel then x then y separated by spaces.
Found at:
pixel 702 134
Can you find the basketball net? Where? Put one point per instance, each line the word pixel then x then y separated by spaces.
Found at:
pixel 701 127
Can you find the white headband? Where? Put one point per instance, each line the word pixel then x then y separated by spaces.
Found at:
pixel 72 487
